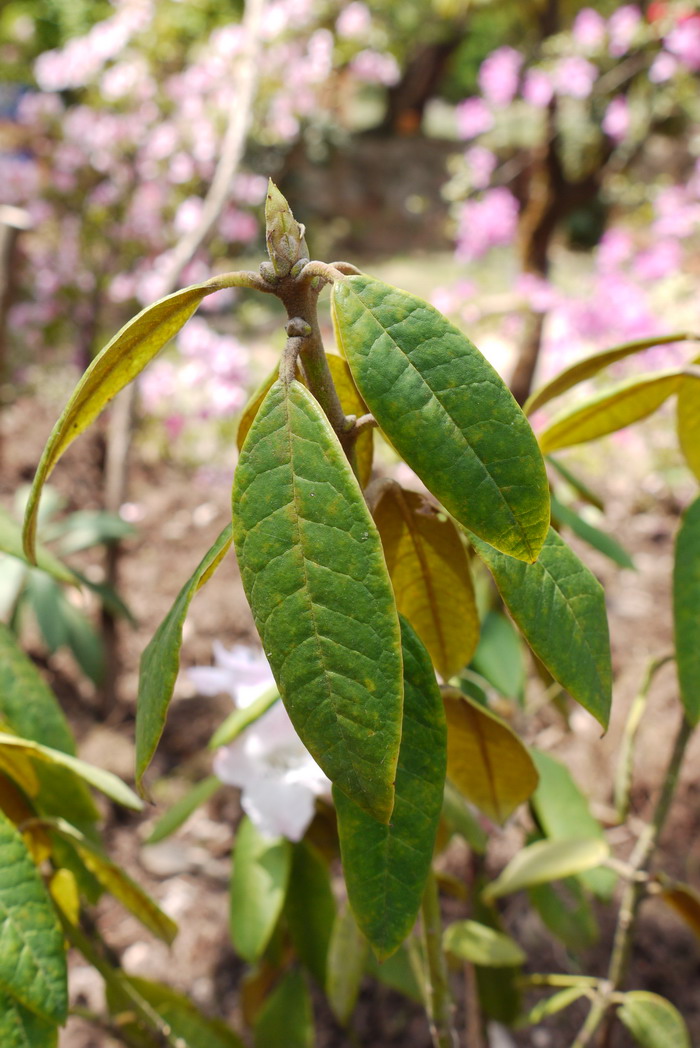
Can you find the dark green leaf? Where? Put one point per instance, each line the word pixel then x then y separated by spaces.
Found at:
pixel 559 607
pixel 27 704
pixel 596 538
pixel 32 956
pixel 386 866
pixel 286 1017
pixel 398 972
pixel 686 610
pixel 446 411
pixel 566 911
pixel 259 880
pixel 310 909
pixel 161 659
pixel 313 569
pixel 20 1028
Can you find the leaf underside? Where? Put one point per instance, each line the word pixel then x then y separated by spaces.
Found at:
pixel 314 573
pixel 446 411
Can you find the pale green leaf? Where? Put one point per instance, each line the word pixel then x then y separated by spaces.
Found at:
pixel 446 411
pixel 11 543
pixel 686 610
pixel 653 1021
pixel 161 659
pixel 286 1018
pixel 187 1023
pixel 181 810
pixel 476 943
pixel 240 719
pixel 259 880
pixel 556 1003
pixel 547 861
pixel 596 538
pixel 314 573
pixel 499 658
pixel 347 954
pixel 566 911
pixel 122 359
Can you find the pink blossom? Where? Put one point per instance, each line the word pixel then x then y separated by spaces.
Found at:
pixel 662 259
pixel 615 248
pixel 662 68
pixel 677 215
pixel 499 75
pixel 188 215
pixel 537 88
pixel 616 122
pixel 684 42
pixel 622 28
pixel 538 292
pixel 588 29
pixel 237 226
pixel 376 68
pixel 481 163
pixel 354 21
pixel 489 222
pixel 473 117
pixel 574 76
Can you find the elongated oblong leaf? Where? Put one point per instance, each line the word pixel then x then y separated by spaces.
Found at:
pixel 313 569
pixel 347 955
pixel 353 404
pixel 122 359
pixel 629 402
pixel 596 538
pixel 20 1028
pixel 446 411
pixel 479 944
pixel 486 760
pixel 259 879
pixel 556 1003
pixel 559 606
pixel 688 420
pixel 653 1021
pixel 286 1017
pixel 32 957
pixel 186 1022
pixel 547 861
pixel 590 366
pixel 11 543
pixel 310 909
pixel 179 813
pixel 386 867
pixel 686 610
pixel 430 574
pixel 161 658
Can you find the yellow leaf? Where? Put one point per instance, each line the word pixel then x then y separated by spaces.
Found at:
pixel 253 406
pixel 14 804
pixel 607 412
pixel 486 760
pixel 353 404
pixel 20 769
pixel 65 893
pixel 429 571
pixel 689 423
pixel 685 901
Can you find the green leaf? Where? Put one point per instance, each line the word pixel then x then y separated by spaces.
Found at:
pixel 20 1028
pixel 353 404
pixel 48 605
pixel 686 610
pixel 563 812
pixel 27 704
pixel 476 943
pixel 688 422
pixel 446 411
pixel 347 955
pixel 386 867
pixel 596 538
pixel 122 359
pixel 604 413
pixel 32 957
pixel 499 656
pixel 161 659
pixel 117 882
pixel 242 718
pixel 259 880
pixel 559 607
pixel 313 570
pixel 566 911
pixel 486 760
pixel 310 909
pixel 461 820
pixel 547 861
pixel 556 1003
pixel 286 1017
pixel 398 972
pixel 182 1016
pixel 11 543
pixel 181 810
pixel 653 1021
pixel 590 366
pixel 430 574
pixel 253 405
pixel 575 482
pixel 102 780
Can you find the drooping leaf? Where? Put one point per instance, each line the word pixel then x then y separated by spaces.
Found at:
pixel 499 656
pixel 259 880
pixel 686 610
pixel 240 719
pixel 684 899
pixel 653 1021
pixel 314 573
pixel 430 574
pixel 446 411
pixel 161 659
pixel 688 421
pixel 590 366
pixel 486 760
pixel 32 956
pixel 399 972
pixel 347 955
pixel 604 413
pixel 186 1022
pixel 574 481
pixel 310 909
pixel 556 1003
pixel 596 538
pixel 622 786
pixel 286 1018
pixel 118 883
pixel 102 780
pixel 478 944
pixel 565 910
pixel 563 812
pixel 11 543
pixel 181 810
pixel 20 1028
pixel 547 861
pixel 122 359
pixel 559 607
pixel 386 867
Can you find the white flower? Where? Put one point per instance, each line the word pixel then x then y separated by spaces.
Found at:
pixel 278 778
